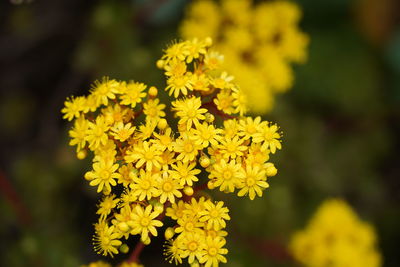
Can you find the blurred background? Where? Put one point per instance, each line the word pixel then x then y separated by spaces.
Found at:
pixel 341 124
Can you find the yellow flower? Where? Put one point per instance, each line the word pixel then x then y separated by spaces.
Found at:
pixel 97 133
pixel 269 137
pixel 192 245
pixel 175 68
pixel 145 153
pixel 257 155
pixel 239 101
pixel 213 253
pixel 144 186
pixel 189 111
pixel 73 108
pixel 116 113
pixel 225 175
pixel 144 221
pixel 185 172
pixel 122 132
pixel 179 84
pixel 224 102
pixel 207 134
pixel 200 82
pixel 164 140
pixel 133 94
pixel 106 239
pixel 175 211
pixel 104 90
pixel 194 49
pixel 188 224
pixel 169 188
pixel 252 181
pixel 175 51
pixel 103 175
pixel 153 110
pixel 260 42
pixel 214 215
pixel 194 207
pixel 106 206
pixel 249 127
pixel 121 220
pixel 336 236
pixel 78 133
pixel 231 128
pixel 232 147
pixel 223 81
pixel 172 252
pixel 187 147
pixel 127 173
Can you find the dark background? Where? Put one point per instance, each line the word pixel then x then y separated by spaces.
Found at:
pixel 340 122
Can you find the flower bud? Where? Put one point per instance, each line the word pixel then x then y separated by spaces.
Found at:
pixel 210 185
pixel 147 241
pixel 153 91
pixel 160 64
pixel 188 190
pixel 169 233
pixel 209 117
pixel 81 154
pixel 124 248
pixel 270 169
pixel 204 161
pixel 123 226
pixel 162 124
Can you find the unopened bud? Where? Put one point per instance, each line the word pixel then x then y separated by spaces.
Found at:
pixel 271 170
pixel 169 233
pixel 153 91
pixel 188 190
pixel 160 64
pixel 208 41
pixel 123 226
pixel 210 185
pixel 162 124
pixel 147 241
pixel 124 248
pixel 209 117
pixel 81 154
pixel 205 161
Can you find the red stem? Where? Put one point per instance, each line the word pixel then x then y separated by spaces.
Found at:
pixel 134 257
pixel 11 195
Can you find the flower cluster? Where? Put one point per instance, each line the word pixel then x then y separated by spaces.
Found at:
pixel 260 43
pixel 151 159
pixel 336 237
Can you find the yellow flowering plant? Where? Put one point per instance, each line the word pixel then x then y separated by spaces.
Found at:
pixel 152 160
pixel 260 42
pixel 336 237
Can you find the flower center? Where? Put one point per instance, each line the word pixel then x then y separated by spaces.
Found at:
pixel 145 221
pixel 212 251
pixel 214 213
pixel 189 226
pixel 148 155
pixel 104 174
pixel 227 175
pixel 191 113
pixel 192 246
pixel 167 187
pixel 231 147
pixel 250 181
pixel 145 184
pixel 188 147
